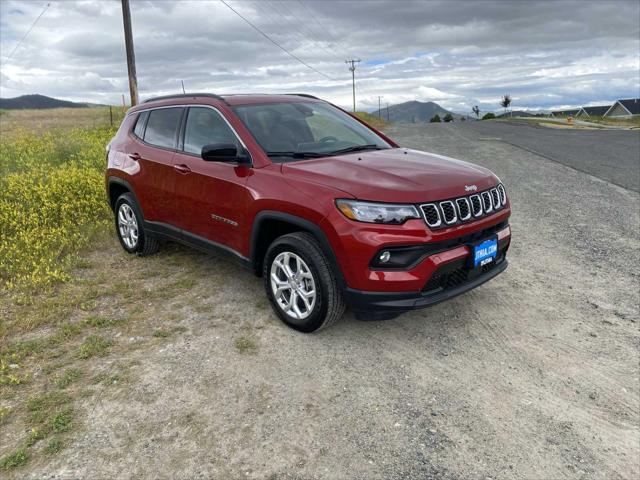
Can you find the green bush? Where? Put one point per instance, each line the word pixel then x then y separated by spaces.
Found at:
pixel 435 119
pixel 488 116
pixel 448 118
pixel 52 201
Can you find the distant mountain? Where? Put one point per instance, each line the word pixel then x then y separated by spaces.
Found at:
pixel 37 101
pixel 413 112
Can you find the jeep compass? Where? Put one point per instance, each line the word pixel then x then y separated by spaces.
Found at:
pixel 331 212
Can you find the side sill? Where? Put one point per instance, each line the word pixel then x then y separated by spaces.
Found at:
pixel 169 232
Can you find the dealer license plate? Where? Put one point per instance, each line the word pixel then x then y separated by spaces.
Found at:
pixel 485 252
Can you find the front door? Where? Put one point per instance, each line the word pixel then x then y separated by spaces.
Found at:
pixel 211 197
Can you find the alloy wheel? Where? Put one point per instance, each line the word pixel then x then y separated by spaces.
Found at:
pixel 128 225
pixel 293 285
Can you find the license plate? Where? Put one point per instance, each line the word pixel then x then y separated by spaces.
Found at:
pixel 485 252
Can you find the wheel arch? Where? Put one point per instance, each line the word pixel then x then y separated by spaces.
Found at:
pixel 116 186
pixel 270 224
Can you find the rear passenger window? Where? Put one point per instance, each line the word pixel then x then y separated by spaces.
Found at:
pixel 139 130
pixel 162 127
pixel 205 126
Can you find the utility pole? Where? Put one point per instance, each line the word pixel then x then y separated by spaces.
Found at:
pixel 353 62
pixel 182 81
pixel 131 57
pixel 380 108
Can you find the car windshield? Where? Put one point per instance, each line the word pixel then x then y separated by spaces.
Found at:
pixel 292 131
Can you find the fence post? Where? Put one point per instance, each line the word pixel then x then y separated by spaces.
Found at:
pixel 111 115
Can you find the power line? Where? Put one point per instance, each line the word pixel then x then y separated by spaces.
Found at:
pixel 298 59
pixel 28 31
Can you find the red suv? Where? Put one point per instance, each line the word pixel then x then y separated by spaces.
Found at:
pixel 329 210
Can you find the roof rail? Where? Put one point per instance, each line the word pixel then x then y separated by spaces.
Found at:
pixel 304 95
pixel 184 95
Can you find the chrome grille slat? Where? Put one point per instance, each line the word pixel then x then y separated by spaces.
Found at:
pixel 464 209
pixel 449 212
pixel 487 205
pixel 431 214
pixel 495 197
pixel 476 205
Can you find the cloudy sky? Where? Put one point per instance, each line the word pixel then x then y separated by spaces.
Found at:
pixel 546 54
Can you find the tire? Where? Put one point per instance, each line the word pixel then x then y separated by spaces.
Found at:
pixel 128 212
pixel 303 252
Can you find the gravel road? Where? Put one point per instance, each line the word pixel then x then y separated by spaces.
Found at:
pixel 534 375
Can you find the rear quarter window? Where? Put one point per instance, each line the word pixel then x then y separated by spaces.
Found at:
pixel 138 131
pixel 162 127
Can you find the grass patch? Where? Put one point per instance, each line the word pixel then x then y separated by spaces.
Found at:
pixel 245 345
pixel 67 378
pixel 43 405
pixel 161 334
pixel 94 346
pixel 15 459
pixel 53 447
pixel 35 435
pixel 101 321
pixel 62 421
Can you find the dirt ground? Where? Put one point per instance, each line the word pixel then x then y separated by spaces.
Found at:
pixel 534 375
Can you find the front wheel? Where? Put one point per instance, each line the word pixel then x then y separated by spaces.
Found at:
pixel 300 283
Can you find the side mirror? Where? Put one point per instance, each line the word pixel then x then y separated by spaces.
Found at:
pixel 225 152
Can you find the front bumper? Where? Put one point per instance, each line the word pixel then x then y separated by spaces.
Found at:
pixel 450 275
pixel 390 304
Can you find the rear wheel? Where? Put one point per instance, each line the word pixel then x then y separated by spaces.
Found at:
pixel 130 227
pixel 300 283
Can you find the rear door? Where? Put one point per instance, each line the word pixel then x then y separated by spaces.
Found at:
pixel 153 151
pixel 211 199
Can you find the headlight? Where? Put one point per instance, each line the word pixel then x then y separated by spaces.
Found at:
pixel 377 212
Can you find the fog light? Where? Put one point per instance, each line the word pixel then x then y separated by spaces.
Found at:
pixel 384 256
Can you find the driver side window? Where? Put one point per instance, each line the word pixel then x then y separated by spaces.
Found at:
pixel 205 126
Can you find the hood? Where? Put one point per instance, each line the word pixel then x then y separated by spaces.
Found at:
pixel 394 175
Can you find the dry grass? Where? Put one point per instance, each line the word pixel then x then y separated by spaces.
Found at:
pixel 58 119
pixel 372 120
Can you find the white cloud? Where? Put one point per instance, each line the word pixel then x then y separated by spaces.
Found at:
pixel 459 53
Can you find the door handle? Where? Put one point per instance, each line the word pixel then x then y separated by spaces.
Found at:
pixel 182 168
pixel 135 156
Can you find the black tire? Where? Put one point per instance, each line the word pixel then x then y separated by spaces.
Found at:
pixel 146 243
pixel 329 305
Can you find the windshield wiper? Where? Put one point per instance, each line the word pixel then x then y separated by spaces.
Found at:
pixel 297 154
pixel 356 148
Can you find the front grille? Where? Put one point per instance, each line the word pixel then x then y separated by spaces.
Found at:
pixel 449 212
pixel 464 211
pixel 487 205
pixel 495 197
pixel 476 205
pixel 503 194
pixel 431 215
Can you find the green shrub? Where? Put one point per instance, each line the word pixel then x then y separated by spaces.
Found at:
pixel 52 201
pixel 488 116
pixel 435 119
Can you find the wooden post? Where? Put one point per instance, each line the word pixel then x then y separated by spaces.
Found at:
pixel 131 57
pixel 111 115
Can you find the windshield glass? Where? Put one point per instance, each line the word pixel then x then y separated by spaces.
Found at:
pixel 291 131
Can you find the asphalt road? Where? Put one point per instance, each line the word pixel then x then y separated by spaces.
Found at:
pixel 612 155
pixel 533 375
